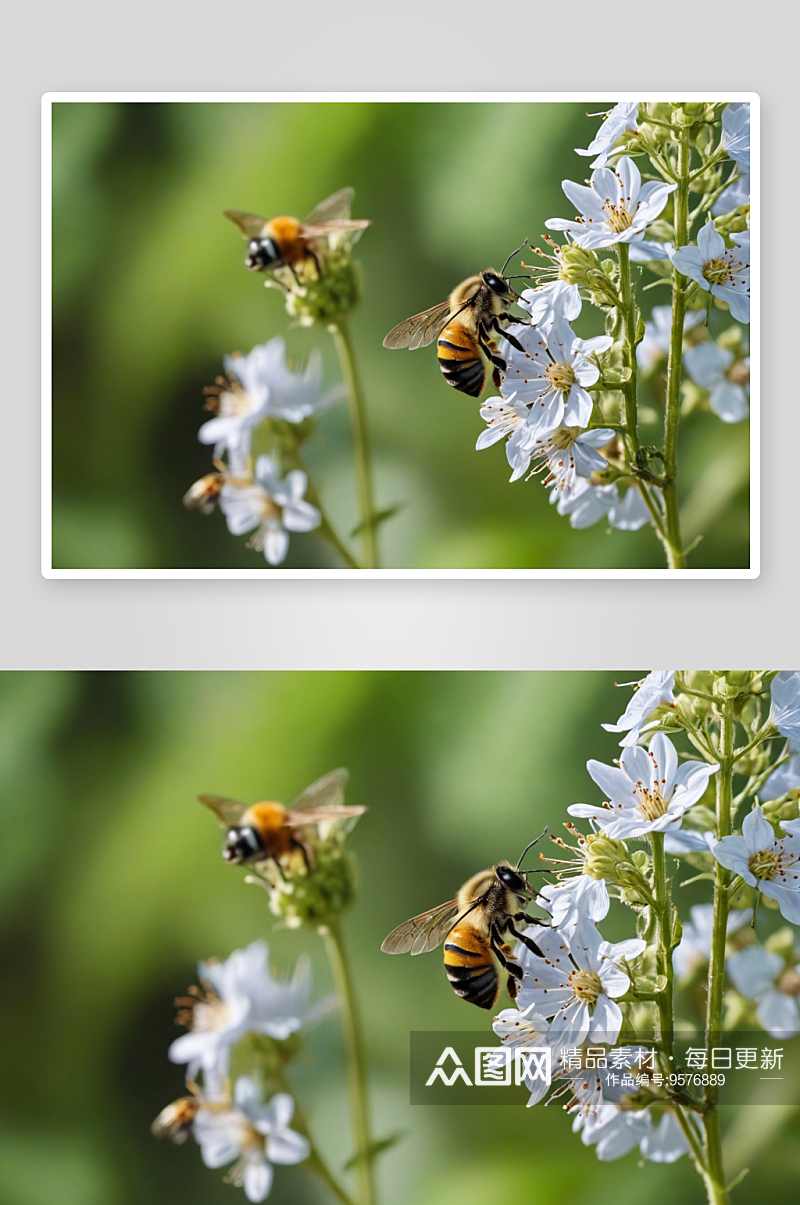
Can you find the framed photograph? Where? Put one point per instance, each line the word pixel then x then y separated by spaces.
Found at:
pixel 573 270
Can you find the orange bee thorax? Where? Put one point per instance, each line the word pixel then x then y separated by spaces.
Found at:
pixel 288 234
pixel 269 820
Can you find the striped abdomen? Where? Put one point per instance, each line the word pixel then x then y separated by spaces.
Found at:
pixel 460 359
pixel 471 967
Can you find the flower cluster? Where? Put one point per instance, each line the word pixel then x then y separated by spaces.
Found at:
pixel 569 407
pixel 260 398
pixel 240 1007
pixel 580 996
pixel 244 1024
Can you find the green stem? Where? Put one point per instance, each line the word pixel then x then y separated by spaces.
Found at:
pixel 665 1023
pixel 715 1178
pixel 661 891
pixel 675 554
pixel 361 446
pixel 629 354
pixel 356 1062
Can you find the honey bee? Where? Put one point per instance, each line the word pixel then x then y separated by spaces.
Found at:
pixel 473 927
pixel 286 242
pixel 176 1121
pixel 262 832
pixel 463 325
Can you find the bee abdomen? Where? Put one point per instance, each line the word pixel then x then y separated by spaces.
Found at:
pixel 460 361
pixel 470 968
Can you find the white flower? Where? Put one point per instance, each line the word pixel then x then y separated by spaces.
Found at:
pixel 667 1141
pixel 658 332
pixel 648 792
pixel 587 504
pixel 254 1134
pixel 785 712
pixel 573 898
pixel 765 861
pixel 694 948
pixel 713 368
pixel 293 396
pixel 737 194
pixel 241 996
pixel 615 208
pixel 643 252
pixel 576 983
pixel 612 1131
pixel 630 512
pixel 785 779
pixel 272 506
pixel 505 418
pixel 684 841
pixel 552 374
pixel 615 123
pixel 736 132
pixel 565 453
pixel 653 691
pixel 723 271
pixel 584 503
pixel 763 977
pixel 549 302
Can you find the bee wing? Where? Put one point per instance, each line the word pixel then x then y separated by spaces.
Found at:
pixel 421 329
pixel 327 791
pixel 332 208
pixel 250 224
pixel 321 814
pixel 422 933
pixel 227 811
pixel 323 229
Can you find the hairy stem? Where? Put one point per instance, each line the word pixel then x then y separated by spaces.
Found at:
pixel 356 1063
pixel 665 1020
pixel 361 446
pixel 674 545
pixel 715 1176
pixel 629 354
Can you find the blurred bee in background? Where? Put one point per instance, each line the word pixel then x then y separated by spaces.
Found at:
pixel 264 832
pixel 463 325
pixel 286 242
pixel 473 927
pixel 176 1121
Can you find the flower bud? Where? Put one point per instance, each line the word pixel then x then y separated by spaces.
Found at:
pixel 576 264
pixel 782 942
pixel 314 894
pixel 322 298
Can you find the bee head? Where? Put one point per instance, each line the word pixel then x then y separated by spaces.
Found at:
pixel 495 282
pixel 242 844
pixel 263 254
pixel 511 879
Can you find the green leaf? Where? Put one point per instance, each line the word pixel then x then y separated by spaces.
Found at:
pixel 374 1149
pixel 380 517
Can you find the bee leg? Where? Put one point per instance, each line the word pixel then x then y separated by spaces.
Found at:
pixel 497 378
pixel 532 920
pixel 304 851
pixel 526 941
pixel 512 987
pixel 512 339
pixel 490 351
pixel 315 258
pixel 501 950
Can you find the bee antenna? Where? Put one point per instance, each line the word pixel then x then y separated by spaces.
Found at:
pixel 524 243
pixel 531 845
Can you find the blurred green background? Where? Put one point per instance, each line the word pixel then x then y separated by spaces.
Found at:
pixel 112 887
pixel 149 292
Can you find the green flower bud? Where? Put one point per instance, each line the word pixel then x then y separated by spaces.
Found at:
pixel 321 298
pixel 315 894
pixel 575 264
